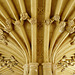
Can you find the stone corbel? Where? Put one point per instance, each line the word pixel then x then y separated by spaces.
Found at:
pixel 26 69
pixel 33 69
pixel 24 16
pixel 47 70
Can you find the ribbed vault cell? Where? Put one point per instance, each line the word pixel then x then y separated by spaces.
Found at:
pixel 37 37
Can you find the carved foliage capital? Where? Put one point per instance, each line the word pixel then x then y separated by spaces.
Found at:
pixel 70 28
pixel 24 16
pixel 8 26
pixel 48 21
pixel 32 21
pixel 8 21
pixel 17 23
pixel 3 38
pixel 62 25
pixel 56 17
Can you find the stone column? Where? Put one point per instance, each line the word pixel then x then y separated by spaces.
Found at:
pixel 47 69
pixel 26 69
pixel 33 69
pixel 54 69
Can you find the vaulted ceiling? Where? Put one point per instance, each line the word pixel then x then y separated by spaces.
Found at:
pixel 23 41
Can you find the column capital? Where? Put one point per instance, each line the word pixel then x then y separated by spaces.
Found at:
pixel 24 16
pixel 3 38
pixel 47 68
pixel 33 68
pixel 33 21
pixel 8 26
pixel 8 21
pixel 33 65
pixel 46 65
pixel 54 66
pixel 26 66
pixel 56 17
pixel 48 21
pixel 17 23
pixel 70 28
pixel 26 69
pixel 62 25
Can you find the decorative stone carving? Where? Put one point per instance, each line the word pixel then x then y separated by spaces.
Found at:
pixel 8 28
pixel 34 65
pixel 72 42
pixel 32 21
pixel 26 69
pixel 62 26
pixel 70 22
pixel 70 29
pixel 48 21
pixel 56 17
pixel 33 68
pixel 7 62
pixel 65 62
pixel 41 10
pixel 24 16
pixel 3 38
pixel 46 65
pixel 8 21
pixel 47 69
pixel 17 23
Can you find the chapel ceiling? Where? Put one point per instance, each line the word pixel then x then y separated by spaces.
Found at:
pixel 37 31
